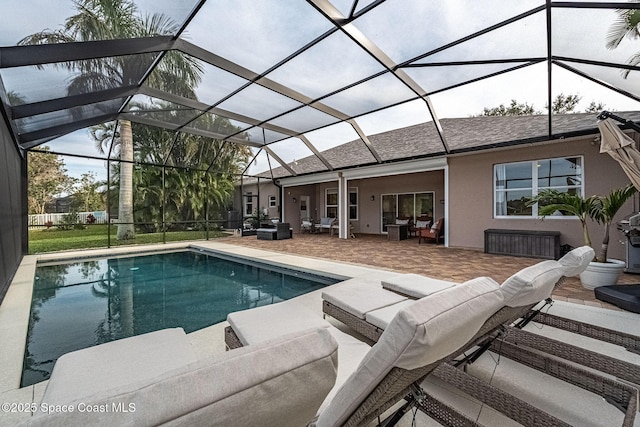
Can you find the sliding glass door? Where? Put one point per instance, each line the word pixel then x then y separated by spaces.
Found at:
pixel 405 205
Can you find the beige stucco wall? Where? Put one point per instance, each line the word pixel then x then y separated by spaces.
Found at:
pixel 471 194
pixel 369 218
pixel 264 190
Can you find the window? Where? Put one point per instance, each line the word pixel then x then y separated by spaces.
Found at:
pixel 516 183
pixel 248 204
pixel 272 201
pixel 331 203
pixel 409 205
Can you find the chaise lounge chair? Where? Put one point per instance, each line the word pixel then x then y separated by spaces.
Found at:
pixel 157 379
pixel 258 324
pixel 350 307
pixel 418 340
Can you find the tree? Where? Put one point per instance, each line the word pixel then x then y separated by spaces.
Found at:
pixel 47 178
pixel 515 109
pixel 626 25
pixel 87 196
pixel 564 104
pixel 595 107
pixel 185 194
pixel 119 19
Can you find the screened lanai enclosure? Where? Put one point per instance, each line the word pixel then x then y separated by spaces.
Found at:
pixel 168 104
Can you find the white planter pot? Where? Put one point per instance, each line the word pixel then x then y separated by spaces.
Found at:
pixel 602 273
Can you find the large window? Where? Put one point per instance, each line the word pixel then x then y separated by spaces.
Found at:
pixel 331 203
pixel 405 205
pixel 516 183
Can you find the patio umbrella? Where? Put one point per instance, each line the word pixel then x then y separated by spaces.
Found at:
pixel 622 148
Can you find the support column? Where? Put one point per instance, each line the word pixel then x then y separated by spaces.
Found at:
pixel 343 206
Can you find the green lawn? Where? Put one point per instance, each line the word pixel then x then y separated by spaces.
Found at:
pixel 95 236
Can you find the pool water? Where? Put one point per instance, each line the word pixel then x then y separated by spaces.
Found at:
pixel 80 304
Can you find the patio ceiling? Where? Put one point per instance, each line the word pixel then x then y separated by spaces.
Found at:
pixel 296 78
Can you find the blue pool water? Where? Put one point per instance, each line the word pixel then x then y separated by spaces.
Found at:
pixel 80 304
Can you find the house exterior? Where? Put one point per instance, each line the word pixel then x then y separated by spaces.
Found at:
pixel 492 165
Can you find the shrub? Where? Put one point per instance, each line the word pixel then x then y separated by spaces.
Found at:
pixel 69 221
pixel 48 224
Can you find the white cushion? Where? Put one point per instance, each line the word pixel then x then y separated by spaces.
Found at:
pixel 280 382
pixel 415 285
pixel 92 370
pixel 532 284
pixel 402 221
pixel 351 351
pixel 271 321
pixel 422 224
pixel 360 298
pixel 576 261
pixel 422 333
pixel 382 317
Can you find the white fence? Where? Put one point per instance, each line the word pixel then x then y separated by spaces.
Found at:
pixel 56 218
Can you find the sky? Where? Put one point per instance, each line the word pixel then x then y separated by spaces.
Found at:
pixel 258 34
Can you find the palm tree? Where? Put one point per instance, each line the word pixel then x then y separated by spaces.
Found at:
pixel 627 24
pixel 607 208
pixel 119 19
pixel 551 201
pixel 601 209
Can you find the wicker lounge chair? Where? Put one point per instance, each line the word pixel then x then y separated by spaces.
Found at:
pixel 254 326
pixel 524 347
pixel 418 341
pixel 158 378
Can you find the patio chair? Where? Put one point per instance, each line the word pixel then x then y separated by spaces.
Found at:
pixel 434 233
pixel 326 223
pixel 157 379
pixel 417 341
pixel 422 222
pixel 307 226
pixel 369 309
pixel 525 287
pixel 440 318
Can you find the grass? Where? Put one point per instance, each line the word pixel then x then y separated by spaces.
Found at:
pixel 95 236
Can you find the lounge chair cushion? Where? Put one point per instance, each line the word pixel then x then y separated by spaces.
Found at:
pixel 415 285
pixel 422 333
pixel 382 317
pixel 281 382
pixel 532 284
pixel 271 321
pixel 577 260
pixel 82 373
pixel 360 298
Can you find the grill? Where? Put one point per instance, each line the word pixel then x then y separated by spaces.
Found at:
pixel 631 229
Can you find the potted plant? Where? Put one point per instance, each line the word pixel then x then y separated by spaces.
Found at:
pixel 602 271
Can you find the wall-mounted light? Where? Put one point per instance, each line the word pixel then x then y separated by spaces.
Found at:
pixel 294 200
pixel 373 198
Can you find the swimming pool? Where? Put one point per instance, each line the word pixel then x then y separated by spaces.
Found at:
pixel 78 304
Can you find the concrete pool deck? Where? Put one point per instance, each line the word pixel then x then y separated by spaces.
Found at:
pixel 562 400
